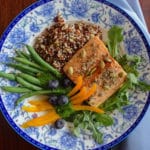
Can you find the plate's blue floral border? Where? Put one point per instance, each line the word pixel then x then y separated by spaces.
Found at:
pixel 35 29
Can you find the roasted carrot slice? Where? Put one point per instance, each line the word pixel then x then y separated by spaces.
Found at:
pixel 85 107
pixel 77 87
pixel 37 108
pixel 48 118
pixel 81 94
pixel 86 96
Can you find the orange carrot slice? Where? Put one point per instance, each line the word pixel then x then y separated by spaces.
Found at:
pixel 82 93
pixel 87 95
pixel 48 118
pixel 77 87
pixel 85 107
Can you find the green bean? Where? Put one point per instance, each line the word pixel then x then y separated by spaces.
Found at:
pixel 30 78
pixel 27 84
pixel 55 91
pixel 25 54
pixel 19 54
pixel 15 89
pixel 27 62
pixel 24 68
pixel 39 60
pixel 9 76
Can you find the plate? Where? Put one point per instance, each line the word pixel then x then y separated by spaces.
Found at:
pixel 27 25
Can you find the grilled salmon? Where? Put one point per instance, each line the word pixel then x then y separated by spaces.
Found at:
pixel 94 63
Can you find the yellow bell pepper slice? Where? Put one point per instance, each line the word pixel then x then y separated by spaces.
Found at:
pixel 77 87
pixel 48 118
pixel 39 102
pixel 82 93
pixel 37 108
pixel 89 93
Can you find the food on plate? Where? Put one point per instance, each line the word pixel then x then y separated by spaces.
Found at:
pixel 75 75
pixel 42 120
pixel 60 41
pixel 96 65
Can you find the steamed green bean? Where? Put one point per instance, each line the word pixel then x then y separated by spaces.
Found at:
pixel 9 76
pixel 25 54
pixel 15 89
pixel 19 54
pixel 28 62
pixel 40 61
pixel 24 68
pixel 30 78
pixel 27 84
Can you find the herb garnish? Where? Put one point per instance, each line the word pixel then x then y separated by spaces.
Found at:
pixel 130 65
pixel 65 111
pixel 86 120
pixel 115 37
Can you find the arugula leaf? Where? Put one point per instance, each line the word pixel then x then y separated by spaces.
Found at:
pixel 65 111
pixel 76 131
pixel 97 135
pixel 144 86
pixel 86 120
pixel 130 63
pixel 115 37
pixel 104 119
pixel 117 101
pixel 132 78
pixel 126 59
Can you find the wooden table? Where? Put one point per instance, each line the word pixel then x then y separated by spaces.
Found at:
pixel 9 140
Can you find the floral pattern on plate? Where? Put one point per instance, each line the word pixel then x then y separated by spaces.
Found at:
pixel 28 25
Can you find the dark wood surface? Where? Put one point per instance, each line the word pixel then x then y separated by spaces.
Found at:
pixel 9 140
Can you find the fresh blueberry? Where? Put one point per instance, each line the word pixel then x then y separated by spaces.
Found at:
pixel 67 82
pixel 59 123
pixel 62 100
pixel 53 84
pixel 53 100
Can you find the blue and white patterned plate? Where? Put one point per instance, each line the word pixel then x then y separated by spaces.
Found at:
pixel 29 24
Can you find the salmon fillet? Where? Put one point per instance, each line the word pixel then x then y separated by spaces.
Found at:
pixel 96 65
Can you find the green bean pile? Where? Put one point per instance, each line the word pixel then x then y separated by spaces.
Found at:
pixel 31 67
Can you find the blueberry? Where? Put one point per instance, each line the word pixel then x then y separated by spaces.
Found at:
pixel 59 123
pixel 53 100
pixel 62 100
pixel 67 82
pixel 53 84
